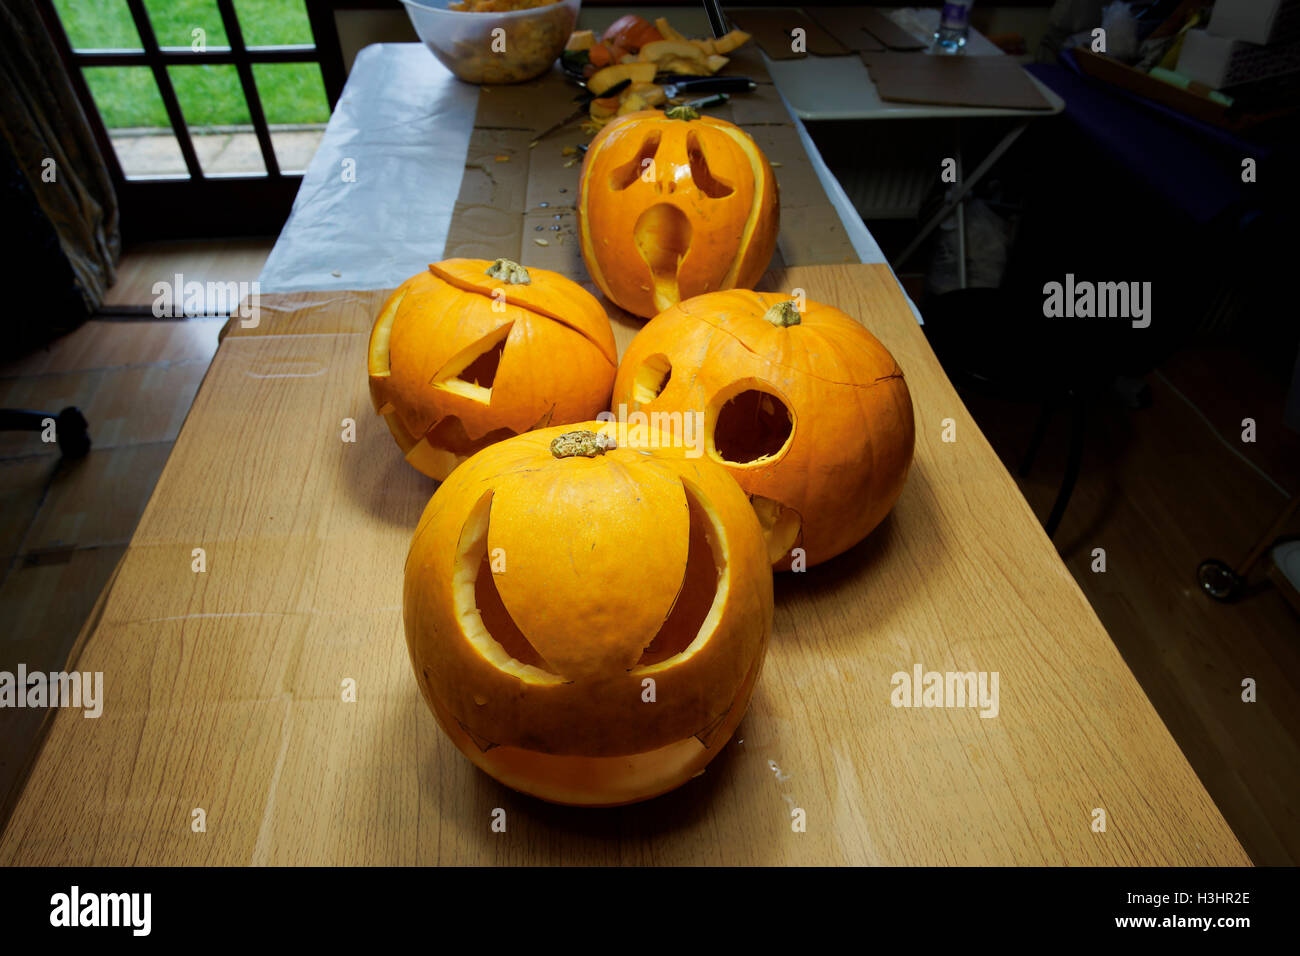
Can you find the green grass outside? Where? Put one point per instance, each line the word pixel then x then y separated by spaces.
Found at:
pixel 209 95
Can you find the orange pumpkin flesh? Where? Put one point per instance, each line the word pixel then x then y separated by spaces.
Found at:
pixel 670 208
pixel 541 592
pixel 813 418
pixel 459 358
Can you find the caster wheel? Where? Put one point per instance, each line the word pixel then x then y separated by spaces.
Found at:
pixel 1218 580
pixel 73 433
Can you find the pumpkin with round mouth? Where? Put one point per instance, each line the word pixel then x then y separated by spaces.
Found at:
pixel 585 621
pixel 673 205
pixel 805 407
pixel 470 352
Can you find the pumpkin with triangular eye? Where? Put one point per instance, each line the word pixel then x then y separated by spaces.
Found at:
pixel 673 205
pixel 587 621
pixel 470 352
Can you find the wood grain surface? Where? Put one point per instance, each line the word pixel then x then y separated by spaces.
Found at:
pixel 223 688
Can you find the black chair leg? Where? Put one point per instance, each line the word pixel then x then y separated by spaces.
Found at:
pixel 70 427
pixel 1072 466
pixel 1036 442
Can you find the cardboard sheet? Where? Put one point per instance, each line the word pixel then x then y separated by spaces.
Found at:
pixel 772 31
pixel 846 25
pixel 993 81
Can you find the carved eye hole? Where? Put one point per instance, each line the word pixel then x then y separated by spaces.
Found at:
pixel 472 371
pixel 632 170
pixel 701 175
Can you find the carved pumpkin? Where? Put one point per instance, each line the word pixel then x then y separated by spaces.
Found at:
pixel 674 205
pixel 471 352
pixel 807 410
pixel 587 622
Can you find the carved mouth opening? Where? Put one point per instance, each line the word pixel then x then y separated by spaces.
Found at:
pixel 651 379
pixel 472 371
pixel 704 586
pixel 751 426
pixel 450 435
pixel 701 175
pixel 663 236
pixel 625 175
pixel 445 446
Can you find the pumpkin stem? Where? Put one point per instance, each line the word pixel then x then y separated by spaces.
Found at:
pixel 682 112
pixel 783 314
pixel 509 271
pixel 588 444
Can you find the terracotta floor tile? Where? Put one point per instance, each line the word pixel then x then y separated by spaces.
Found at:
pixel 98 501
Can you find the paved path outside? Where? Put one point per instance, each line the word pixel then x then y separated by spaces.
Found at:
pixel 148 153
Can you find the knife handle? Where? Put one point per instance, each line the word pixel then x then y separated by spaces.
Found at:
pixel 715 84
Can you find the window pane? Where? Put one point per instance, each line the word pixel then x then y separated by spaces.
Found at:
pixel 273 22
pixel 98 24
pixel 217 116
pixel 174 23
pixel 293 98
pixel 132 110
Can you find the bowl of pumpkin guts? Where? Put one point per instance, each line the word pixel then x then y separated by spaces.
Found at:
pixel 494 41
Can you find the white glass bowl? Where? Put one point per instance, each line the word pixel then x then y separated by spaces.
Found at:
pixel 466 43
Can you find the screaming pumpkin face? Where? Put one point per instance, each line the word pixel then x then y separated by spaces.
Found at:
pixel 805 408
pixel 674 205
pixel 471 352
pixel 585 621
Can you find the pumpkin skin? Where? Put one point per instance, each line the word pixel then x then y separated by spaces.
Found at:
pixel 824 471
pixel 706 220
pixel 603 557
pixel 556 358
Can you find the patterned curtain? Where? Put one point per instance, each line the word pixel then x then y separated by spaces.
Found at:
pixel 52 145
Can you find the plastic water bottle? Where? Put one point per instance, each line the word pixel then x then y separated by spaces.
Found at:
pixel 954 26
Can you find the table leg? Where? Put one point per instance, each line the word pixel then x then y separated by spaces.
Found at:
pixel 959 195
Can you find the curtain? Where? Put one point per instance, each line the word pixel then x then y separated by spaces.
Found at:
pixel 51 143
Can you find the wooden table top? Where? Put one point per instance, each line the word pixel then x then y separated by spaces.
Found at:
pixel 224 688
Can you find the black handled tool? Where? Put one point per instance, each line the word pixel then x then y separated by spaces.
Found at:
pixel 686 86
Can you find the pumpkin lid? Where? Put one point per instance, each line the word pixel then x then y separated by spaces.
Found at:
pixel 537 290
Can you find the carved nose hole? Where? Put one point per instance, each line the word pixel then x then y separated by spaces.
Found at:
pixel 663 236
pixel 701 175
